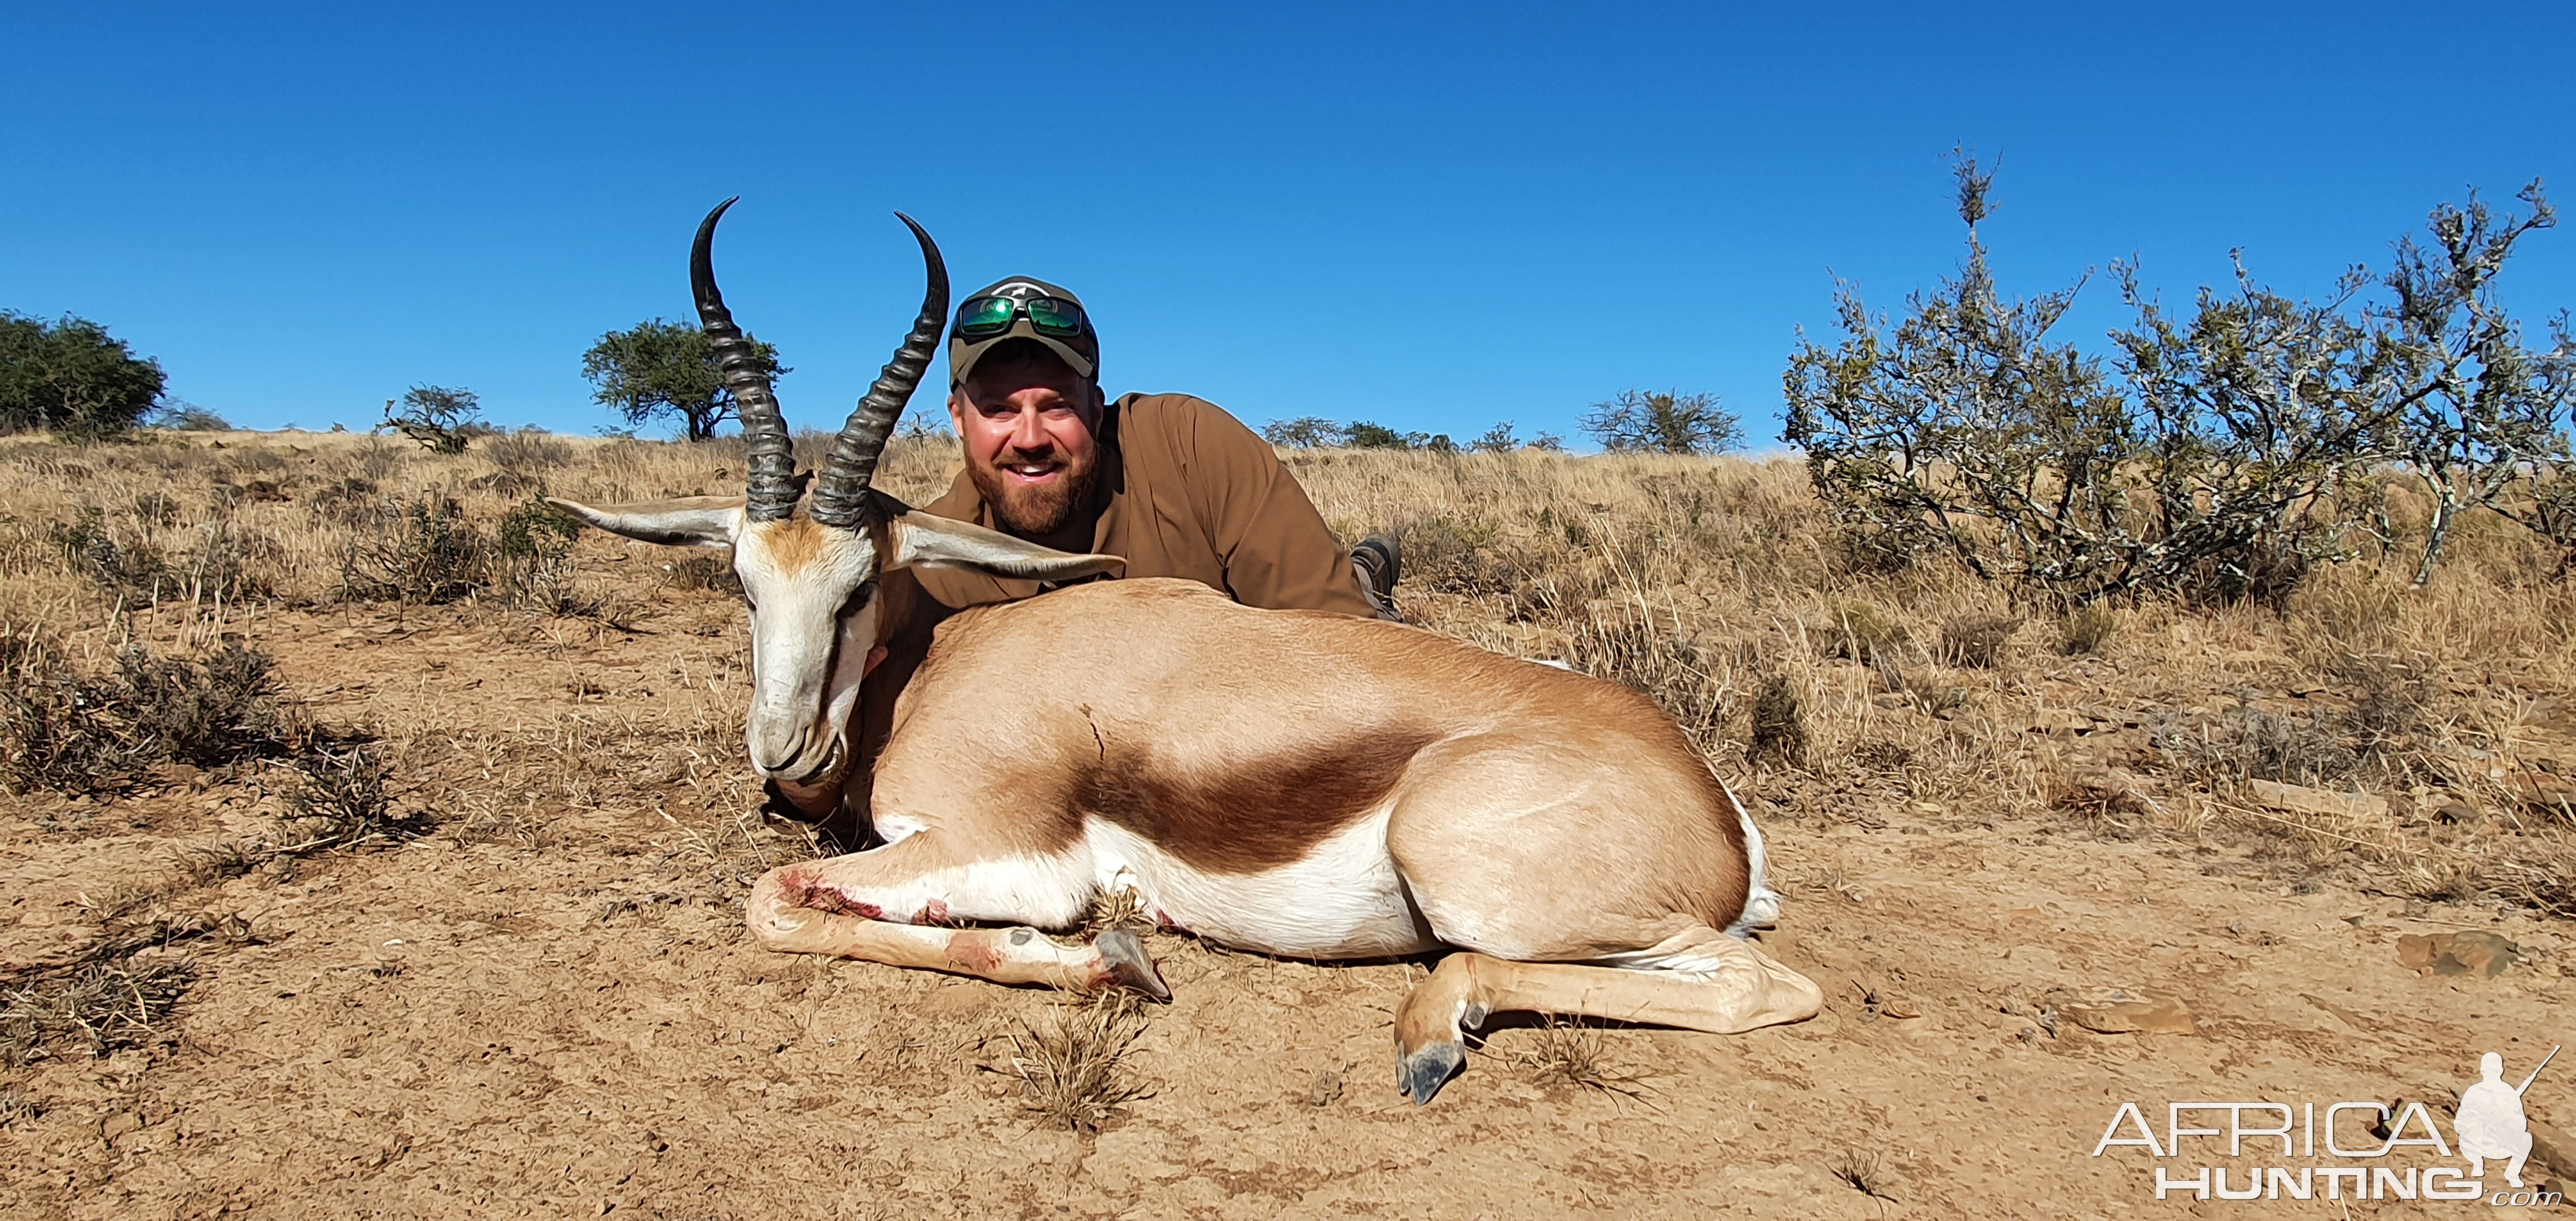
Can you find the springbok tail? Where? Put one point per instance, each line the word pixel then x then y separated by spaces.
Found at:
pixel 1761 903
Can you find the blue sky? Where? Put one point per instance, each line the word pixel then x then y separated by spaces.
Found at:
pixel 1434 218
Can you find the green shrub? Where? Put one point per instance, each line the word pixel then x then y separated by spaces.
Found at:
pixel 1779 728
pixel 70 376
pixel 533 546
pixel 59 728
pixel 440 418
pixel 76 733
pixel 1664 422
pixel 2230 447
pixel 415 551
pixel 211 710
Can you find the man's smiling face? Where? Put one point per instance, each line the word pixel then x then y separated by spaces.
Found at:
pixel 1029 424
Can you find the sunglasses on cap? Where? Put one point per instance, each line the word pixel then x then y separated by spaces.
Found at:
pixel 985 317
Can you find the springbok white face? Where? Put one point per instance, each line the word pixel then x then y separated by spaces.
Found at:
pixel 811 581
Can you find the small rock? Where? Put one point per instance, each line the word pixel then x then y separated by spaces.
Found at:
pixel 1328 1087
pixel 119 1124
pixel 2484 955
pixel 2125 1011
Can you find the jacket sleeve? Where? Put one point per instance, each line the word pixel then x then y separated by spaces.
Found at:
pixel 1277 552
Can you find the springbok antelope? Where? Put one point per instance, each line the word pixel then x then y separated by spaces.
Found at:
pixel 1292 783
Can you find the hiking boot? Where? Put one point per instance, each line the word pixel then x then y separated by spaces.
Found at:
pixel 1379 559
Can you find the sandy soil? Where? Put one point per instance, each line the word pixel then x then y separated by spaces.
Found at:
pixel 550 1010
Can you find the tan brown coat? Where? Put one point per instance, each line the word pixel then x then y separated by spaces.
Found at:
pixel 1191 493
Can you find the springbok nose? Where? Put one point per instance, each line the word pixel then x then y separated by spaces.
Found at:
pixel 778 747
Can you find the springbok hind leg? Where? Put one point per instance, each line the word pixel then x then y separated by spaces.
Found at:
pixel 1698 979
pixel 823 907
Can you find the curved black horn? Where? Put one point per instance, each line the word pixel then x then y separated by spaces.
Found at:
pixel 772 465
pixel 841 488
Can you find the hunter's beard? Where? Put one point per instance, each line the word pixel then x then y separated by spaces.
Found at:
pixel 1035 512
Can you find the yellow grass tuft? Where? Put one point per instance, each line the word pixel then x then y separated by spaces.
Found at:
pixel 1072 1065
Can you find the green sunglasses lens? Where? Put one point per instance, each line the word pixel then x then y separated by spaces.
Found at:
pixel 1053 317
pixel 986 316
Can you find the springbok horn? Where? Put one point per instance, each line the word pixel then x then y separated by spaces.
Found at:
pixel 841 488
pixel 772 465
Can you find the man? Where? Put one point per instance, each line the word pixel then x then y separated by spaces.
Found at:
pixel 2490 1122
pixel 1169 482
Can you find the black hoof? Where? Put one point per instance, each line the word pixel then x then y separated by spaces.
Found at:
pixel 1128 965
pixel 1421 1074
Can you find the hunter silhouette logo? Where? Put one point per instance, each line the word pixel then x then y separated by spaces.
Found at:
pixel 2490 1123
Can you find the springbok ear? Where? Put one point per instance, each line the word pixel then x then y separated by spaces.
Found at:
pixel 690 521
pixel 924 541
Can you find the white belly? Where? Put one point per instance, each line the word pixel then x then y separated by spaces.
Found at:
pixel 1343 900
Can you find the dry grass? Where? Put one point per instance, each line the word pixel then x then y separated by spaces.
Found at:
pixel 2087 629
pixel 1567 1054
pixel 1662 663
pixel 56 732
pixel 73 731
pixel 1072 1065
pixel 1977 640
pixel 1857 631
pixel 1118 907
pixel 1863 1171
pixel 92 1009
pixel 2546 883
pixel 340 802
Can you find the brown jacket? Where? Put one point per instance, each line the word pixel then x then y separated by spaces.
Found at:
pixel 1191 493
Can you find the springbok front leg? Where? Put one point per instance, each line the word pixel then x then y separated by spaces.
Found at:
pixel 1698 979
pixel 894 905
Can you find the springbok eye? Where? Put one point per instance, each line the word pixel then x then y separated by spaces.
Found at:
pixel 858 599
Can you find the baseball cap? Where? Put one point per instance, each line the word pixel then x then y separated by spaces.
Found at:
pixel 1068 332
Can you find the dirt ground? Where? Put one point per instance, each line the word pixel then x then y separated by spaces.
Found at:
pixel 546 1006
